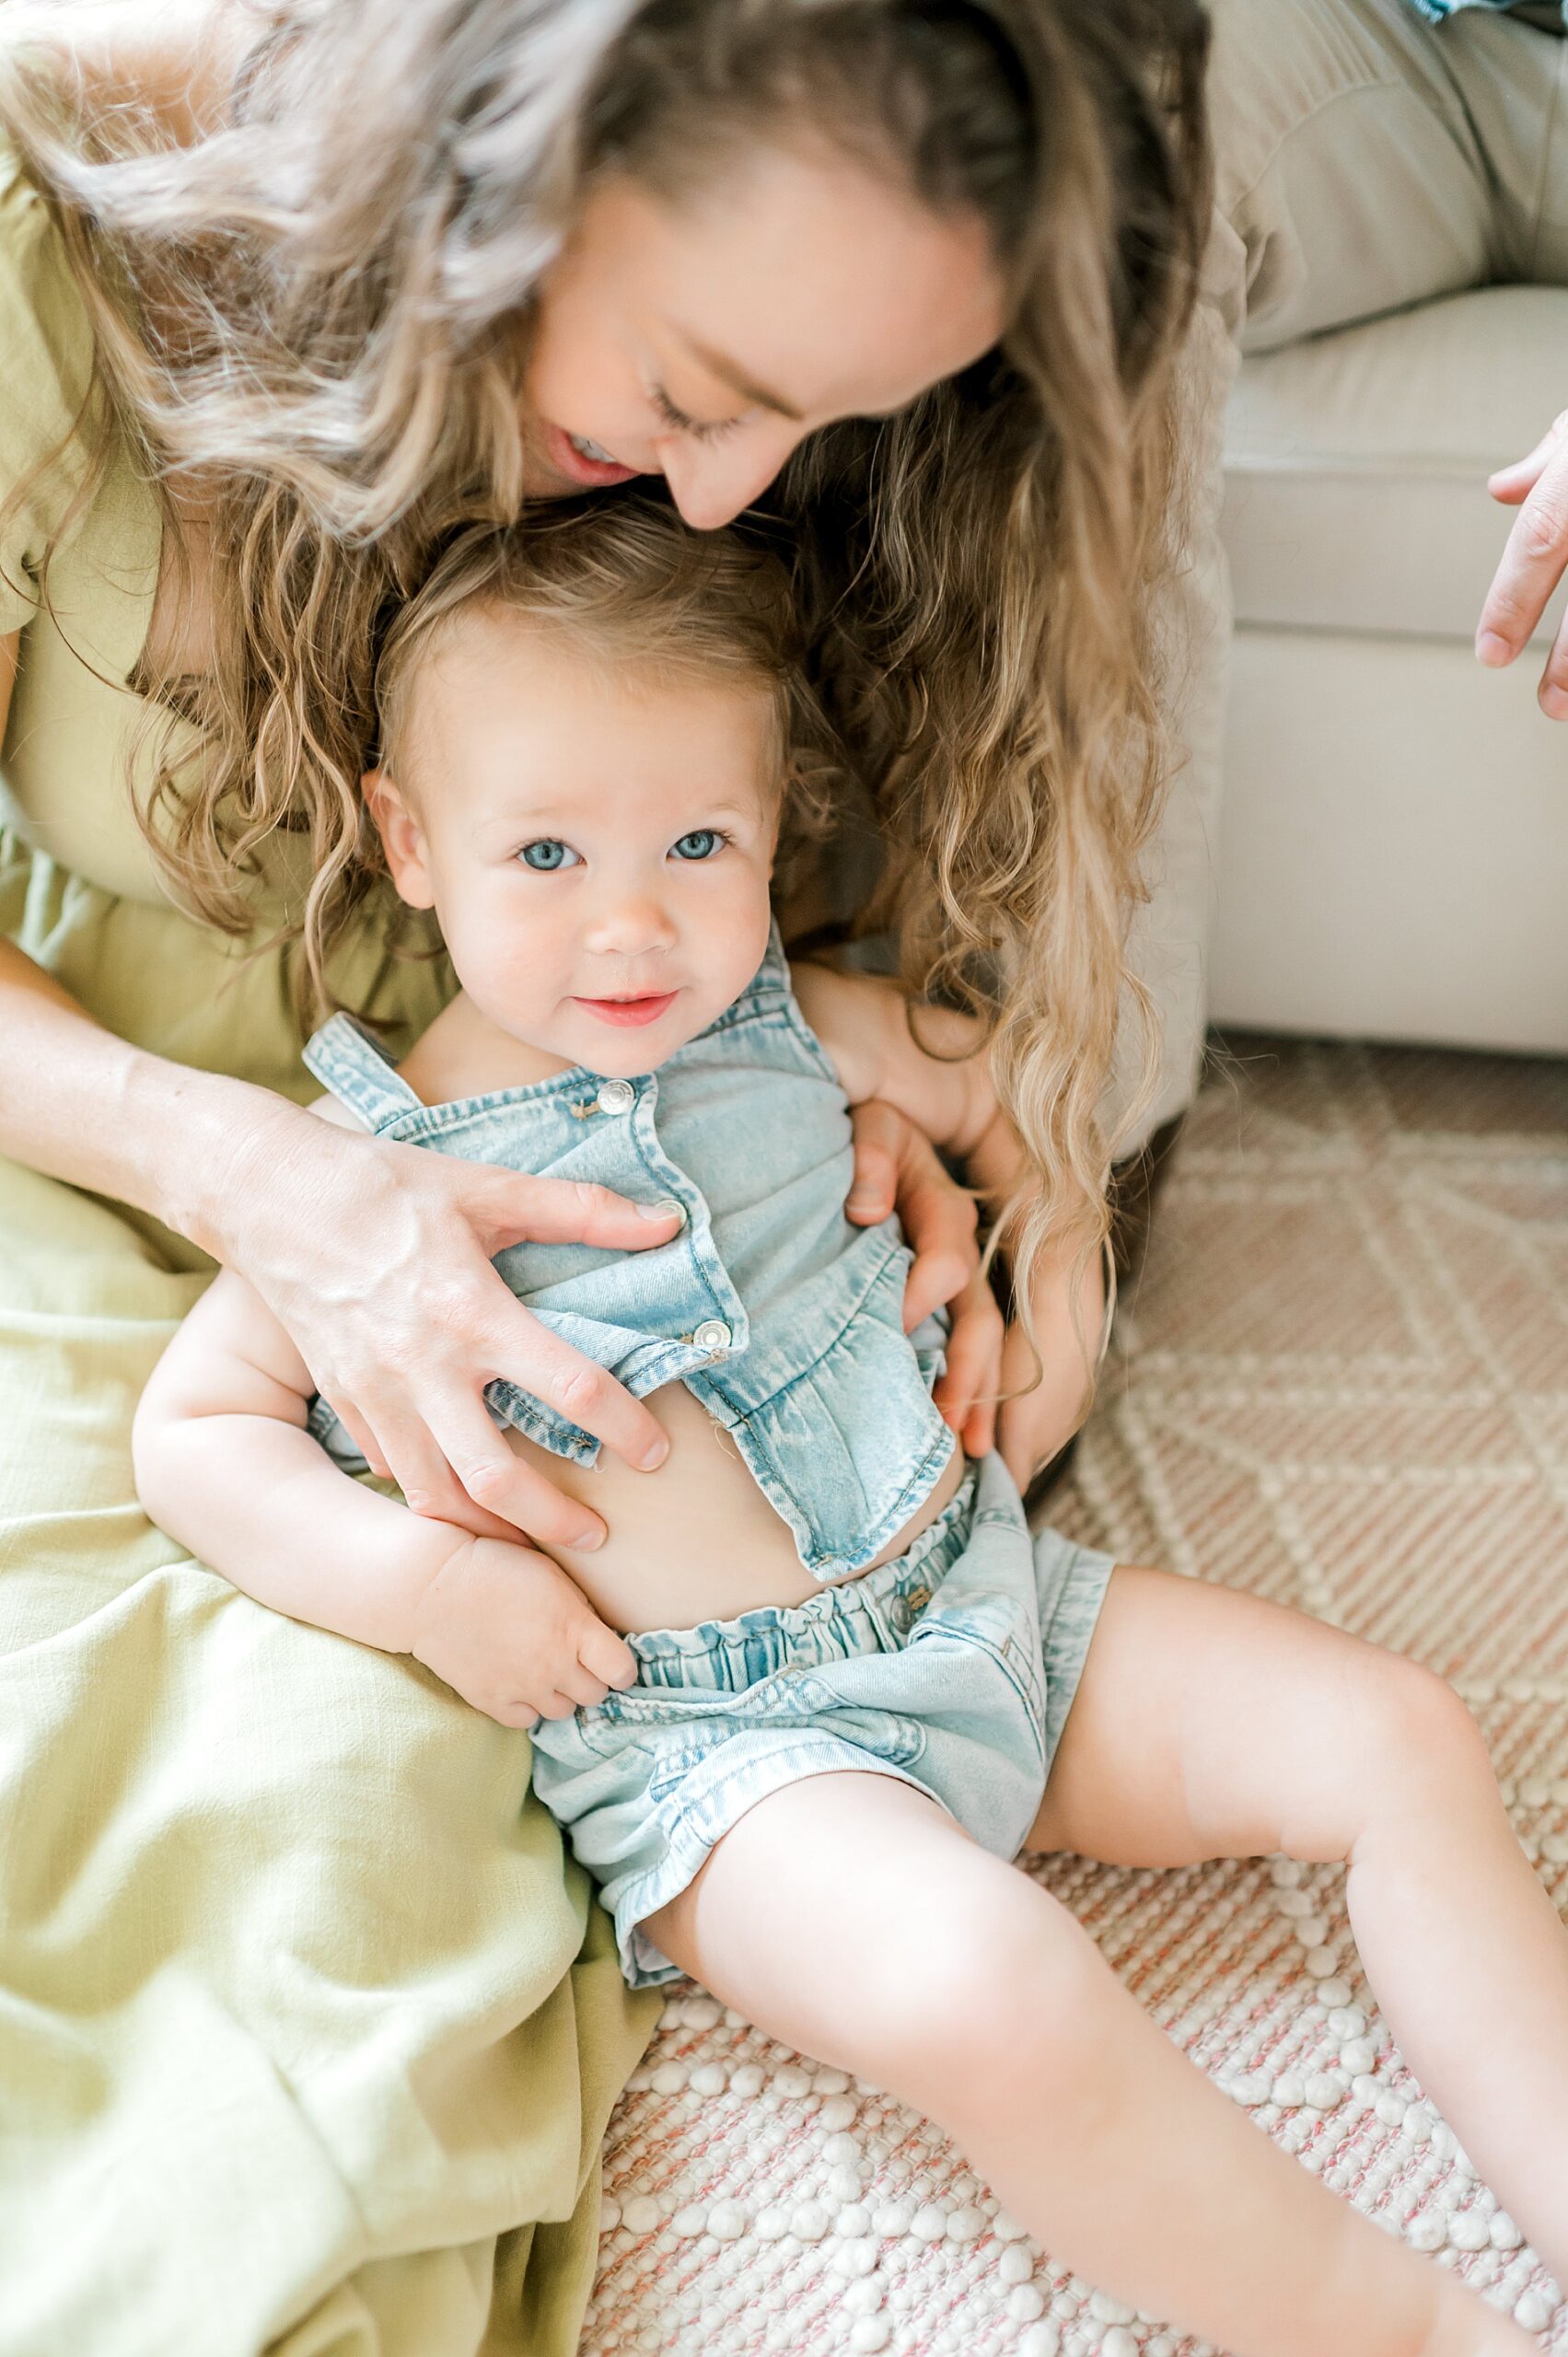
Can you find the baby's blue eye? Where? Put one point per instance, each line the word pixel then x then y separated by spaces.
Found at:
pixel 547 855
pixel 700 843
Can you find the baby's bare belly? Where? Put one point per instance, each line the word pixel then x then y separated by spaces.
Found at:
pixel 697 1540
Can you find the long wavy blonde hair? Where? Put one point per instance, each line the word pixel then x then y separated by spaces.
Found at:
pixel 317 312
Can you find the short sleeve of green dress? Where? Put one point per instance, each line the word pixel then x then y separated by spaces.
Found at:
pixel 310 2032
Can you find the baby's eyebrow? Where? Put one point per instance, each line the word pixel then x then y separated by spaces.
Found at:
pixel 495 828
pixel 725 808
pixel 542 816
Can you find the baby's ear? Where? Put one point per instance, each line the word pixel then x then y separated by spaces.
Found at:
pixel 403 838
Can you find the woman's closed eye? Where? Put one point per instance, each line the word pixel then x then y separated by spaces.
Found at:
pixel 701 430
pixel 700 843
pixel 547 854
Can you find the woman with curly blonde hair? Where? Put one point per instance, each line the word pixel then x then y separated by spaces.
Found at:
pixel 287 294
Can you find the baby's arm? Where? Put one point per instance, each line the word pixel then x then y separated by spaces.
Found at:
pixel 942 1082
pixel 225 1464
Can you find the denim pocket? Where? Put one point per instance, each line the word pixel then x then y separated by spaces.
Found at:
pixel 988 1628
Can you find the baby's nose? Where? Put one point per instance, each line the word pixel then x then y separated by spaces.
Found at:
pixel 631 926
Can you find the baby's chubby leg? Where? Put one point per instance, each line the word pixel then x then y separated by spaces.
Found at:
pixel 851 1917
pixel 1212 1724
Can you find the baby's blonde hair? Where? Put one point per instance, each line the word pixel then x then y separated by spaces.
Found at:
pixel 622 579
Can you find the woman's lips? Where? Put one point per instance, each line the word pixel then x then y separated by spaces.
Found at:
pixel 595 474
pixel 629 1010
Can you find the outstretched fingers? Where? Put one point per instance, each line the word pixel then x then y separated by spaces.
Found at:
pixel 513 1205
pixel 1534 562
pixel 537 1360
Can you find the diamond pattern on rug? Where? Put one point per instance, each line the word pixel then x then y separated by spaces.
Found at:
pixel 1343 1383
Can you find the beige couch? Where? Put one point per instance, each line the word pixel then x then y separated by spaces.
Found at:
pixel 1392 858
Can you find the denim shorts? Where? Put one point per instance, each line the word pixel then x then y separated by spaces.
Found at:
pixel 953 1667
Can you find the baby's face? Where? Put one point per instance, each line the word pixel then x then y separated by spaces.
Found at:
pixel 596 840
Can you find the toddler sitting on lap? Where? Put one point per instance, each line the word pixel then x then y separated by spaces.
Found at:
pixel 819 1685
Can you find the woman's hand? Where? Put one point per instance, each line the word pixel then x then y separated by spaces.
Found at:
pixel 1039 1417
pixel 1037 1420
pixel 511 1633
pixel 897 1168
pixel 376 1259
pixel 1533 563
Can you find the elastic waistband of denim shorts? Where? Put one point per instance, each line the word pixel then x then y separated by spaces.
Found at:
pixel 923 1565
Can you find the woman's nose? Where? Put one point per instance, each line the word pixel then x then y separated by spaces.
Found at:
pixel 711 485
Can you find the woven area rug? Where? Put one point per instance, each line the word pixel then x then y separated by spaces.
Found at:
pixel 1343 1382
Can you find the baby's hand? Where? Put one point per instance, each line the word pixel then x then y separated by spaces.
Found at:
pixel 515 1636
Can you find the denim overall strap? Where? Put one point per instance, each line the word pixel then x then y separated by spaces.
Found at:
pixel 346 1060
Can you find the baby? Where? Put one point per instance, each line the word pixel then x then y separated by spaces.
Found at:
pixel 819 1685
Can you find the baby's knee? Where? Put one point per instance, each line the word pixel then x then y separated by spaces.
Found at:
pixel 1415 1738
pixel 995 1996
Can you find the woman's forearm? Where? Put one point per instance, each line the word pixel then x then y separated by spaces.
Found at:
pixel 79 1103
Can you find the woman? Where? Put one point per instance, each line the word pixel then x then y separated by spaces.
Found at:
pixel 302 1994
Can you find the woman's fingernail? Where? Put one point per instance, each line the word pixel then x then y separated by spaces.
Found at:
pixel 667 1207
pixel 1554 702
pixel 1491 649
pixel 655 1456
pixel 593 1534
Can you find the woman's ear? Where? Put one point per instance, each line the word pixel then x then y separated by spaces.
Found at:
pixel 402 839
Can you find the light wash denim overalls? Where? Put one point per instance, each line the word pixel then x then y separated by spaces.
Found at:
pixel 952 1667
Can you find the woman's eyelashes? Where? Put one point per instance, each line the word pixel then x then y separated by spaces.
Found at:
pixel 700 431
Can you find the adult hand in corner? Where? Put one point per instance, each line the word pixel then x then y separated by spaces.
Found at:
pixel 1534 562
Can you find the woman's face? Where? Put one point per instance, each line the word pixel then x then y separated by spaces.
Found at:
pixel 702 339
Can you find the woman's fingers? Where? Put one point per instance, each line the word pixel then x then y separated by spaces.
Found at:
pixel 364 1439
pixel 528 1353
pixel 939 1220
pixel 418 1465
pixel 1534 562
pixel 512 1493
pixel 511 1206
pixel 1552 693
pixel 1510 483
pixel 967 1391
pixel 897 1168
pixel 453 1464
pixel 873 1189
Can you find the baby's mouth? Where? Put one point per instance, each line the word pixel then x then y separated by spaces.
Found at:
pixel 629 1011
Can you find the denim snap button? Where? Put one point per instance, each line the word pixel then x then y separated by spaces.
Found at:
pixel 900 1613
pixel 713 1334
pixel 617 1096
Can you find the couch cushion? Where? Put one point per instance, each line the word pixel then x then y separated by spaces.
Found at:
pixel 1356 463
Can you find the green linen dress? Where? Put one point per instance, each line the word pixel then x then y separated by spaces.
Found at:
pixel 308 2030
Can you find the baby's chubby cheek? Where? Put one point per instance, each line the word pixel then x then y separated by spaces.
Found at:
pixel 516 981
